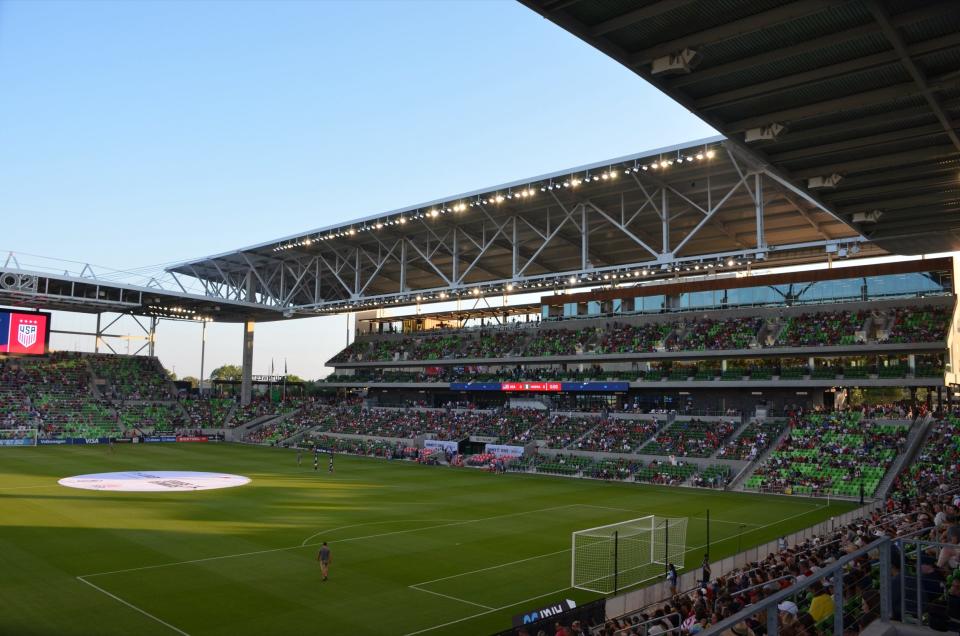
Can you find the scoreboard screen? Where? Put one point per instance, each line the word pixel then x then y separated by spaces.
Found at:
pixel 24 333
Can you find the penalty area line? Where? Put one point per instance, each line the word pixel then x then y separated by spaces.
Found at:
pixel 489 611
pixel 452 598
pixel 497 609
pixel 133 607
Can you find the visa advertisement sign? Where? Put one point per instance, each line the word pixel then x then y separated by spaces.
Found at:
pixel 24 333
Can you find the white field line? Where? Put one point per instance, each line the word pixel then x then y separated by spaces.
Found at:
pixel 713 520
pixel 489 611
pixel 133 607
pixel 29 487
pixel 452 598
pixel 303 545
pixel 370 523
pixel 449 525
pixel 497 609
pixel 492 567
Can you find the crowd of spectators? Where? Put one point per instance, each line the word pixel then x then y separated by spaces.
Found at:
pixel 207 412
pixel 130 377
pixel 824 328
pixel 753 440
pixel 690 438
pixel 508 426
pixel 710 334
pixel 616 435
pixel 924 503
pixel 831 453
pixel 924 324
pixel 158 417
pixel 56 392
pixel 811 329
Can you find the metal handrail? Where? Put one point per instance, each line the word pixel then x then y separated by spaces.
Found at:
pixel 836 571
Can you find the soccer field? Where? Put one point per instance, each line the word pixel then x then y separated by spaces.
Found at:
pixel 416 549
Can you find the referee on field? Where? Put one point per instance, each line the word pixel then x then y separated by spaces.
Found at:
pixel 324 558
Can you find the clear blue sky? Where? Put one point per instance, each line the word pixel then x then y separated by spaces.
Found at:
pixel 139 133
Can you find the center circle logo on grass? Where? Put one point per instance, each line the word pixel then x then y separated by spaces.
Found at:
pixel 154 481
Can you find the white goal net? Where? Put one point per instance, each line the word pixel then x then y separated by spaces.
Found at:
pixel 18 437
pixel 610 558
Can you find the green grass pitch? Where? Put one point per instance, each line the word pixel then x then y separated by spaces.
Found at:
pixel 482 547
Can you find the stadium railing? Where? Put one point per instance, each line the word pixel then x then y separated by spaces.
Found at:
pixel 767 610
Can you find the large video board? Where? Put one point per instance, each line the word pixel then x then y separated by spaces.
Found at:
pixel 24 333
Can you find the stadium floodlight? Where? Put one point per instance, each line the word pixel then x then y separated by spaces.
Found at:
pixel 680 62
pixel 829 181
pixel 764 133
pixel 610 558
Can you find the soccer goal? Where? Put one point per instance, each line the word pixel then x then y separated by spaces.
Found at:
pixel 607 559
pixel 18 437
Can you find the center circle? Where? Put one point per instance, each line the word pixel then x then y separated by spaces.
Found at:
pixel 154 481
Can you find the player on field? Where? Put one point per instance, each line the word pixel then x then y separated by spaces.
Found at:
pixel 324 558
pixel 330 463
pixel 299 457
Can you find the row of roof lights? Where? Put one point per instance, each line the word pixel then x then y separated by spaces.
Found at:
pixel 181 313
pixel 606 278
pixel 497 198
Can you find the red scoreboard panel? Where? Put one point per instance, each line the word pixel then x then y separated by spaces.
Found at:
pixel 24 333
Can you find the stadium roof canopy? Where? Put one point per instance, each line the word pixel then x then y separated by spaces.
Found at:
pixel 699 204
pixel 856 101
pixel 35 282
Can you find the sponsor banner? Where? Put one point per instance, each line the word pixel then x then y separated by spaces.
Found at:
pixel 483 439
pixel 533 616
pixel 192 438
pixel 596 386
pixel 474 386
pixel 152 440
pixel 52 442
pixel 16 442
pixel 122 440
pixel 154 481
pixel 446 446
pixel 501 450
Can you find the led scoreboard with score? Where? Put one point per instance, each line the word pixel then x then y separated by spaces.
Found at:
pixel 530 386
pixel 24 333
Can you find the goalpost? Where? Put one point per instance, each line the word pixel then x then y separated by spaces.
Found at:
pixel 610 558
pixel 18 437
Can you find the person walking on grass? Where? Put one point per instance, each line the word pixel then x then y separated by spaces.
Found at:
pixel 324 558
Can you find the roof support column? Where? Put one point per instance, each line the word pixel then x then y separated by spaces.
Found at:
pixel 665 222
pixel 153 337
pixel 246 376
pixel 246 369
pixel 758 193
pixel 584 238
pixel 96 340
pixel 403 265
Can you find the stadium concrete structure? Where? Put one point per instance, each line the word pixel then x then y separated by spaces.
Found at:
pixel 693 315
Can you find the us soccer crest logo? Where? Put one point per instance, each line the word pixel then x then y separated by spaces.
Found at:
pixel 27 334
